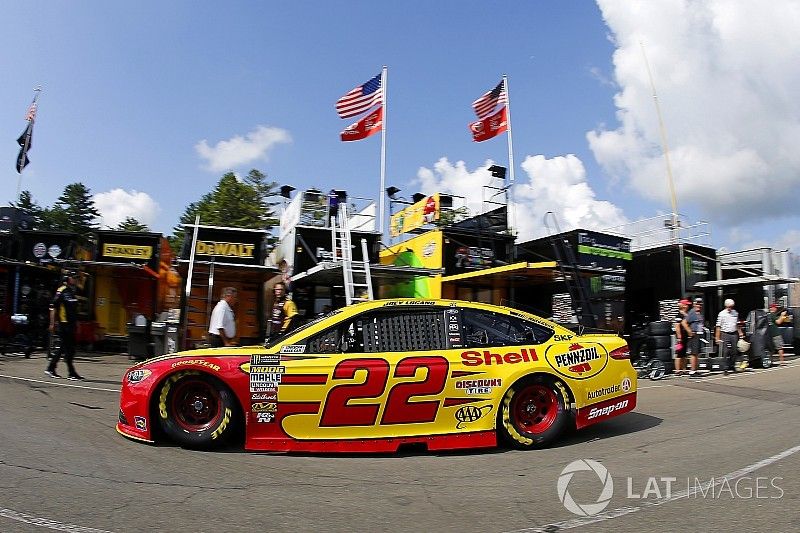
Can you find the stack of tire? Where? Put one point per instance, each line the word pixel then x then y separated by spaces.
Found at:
pixel 660 341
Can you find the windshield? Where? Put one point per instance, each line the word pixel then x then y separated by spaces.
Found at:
pixel 274 341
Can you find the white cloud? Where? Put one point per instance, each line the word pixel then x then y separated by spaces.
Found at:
pixel 558 184
pixel 117 204
pixel 238 150
pixel 726 74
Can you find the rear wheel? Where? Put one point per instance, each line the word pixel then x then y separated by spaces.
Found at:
pixel 534 412
pixel 196 410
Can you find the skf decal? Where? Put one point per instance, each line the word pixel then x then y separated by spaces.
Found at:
pixel 563 338
pixel 140 374
pixel 140 422
pixel 294 348
pixel 475 358
pixel 470 413
pixel 196 362
pixel 264 407
pixel 579 361
pixel 478 386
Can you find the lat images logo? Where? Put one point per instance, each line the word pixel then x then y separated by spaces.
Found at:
pixel 585 509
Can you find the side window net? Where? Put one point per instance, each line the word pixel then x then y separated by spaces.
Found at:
pixel 407 331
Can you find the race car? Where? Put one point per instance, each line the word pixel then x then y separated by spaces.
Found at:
pixel 378 375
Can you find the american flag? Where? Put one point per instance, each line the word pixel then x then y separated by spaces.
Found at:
pixel 31 114
pixel 361 98
pixel 485 105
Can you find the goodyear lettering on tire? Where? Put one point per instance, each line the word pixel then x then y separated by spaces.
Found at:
pixel 165 388
pixel 225 419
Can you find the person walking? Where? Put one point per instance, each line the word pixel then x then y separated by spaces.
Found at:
pixel 694 324
pixel 284 312
pixel 64 322
pixel 727 333
pixel 682 332
pixel 222 326
pixel 774 319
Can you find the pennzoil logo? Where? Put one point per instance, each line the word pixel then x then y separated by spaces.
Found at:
pixel 579 361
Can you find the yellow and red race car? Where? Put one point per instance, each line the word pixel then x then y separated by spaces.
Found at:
pixel 382 374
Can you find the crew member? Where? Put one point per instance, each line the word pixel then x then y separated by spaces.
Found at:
pixel 222 326
pixel 64 322
pixel 726 334
pixel 284 312
pixel 774 319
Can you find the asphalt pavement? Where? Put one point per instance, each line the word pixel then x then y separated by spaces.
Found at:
pixel 718 453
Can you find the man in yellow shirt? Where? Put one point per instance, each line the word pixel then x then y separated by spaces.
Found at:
pixel 284 312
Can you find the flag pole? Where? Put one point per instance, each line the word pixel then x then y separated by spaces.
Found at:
pixel 25 147
pixel 510 190
pixel 382 192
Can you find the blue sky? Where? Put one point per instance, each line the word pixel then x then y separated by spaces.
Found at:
pixel 131 92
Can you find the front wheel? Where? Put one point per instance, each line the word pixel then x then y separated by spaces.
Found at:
pixel 196 410
pixel 534 412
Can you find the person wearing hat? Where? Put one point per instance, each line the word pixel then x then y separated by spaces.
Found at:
pixel 774 319
pixel 64 322
pixel 694 324
pixel 681 337
pixel 727 333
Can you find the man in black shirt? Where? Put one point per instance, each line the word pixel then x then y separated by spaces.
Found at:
pixel 64 322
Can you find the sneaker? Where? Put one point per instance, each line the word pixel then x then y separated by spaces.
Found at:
pixel 51 373
pixel 694 374
pixel 725 372
pixel 76 377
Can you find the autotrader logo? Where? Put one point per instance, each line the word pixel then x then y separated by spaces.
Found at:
pixel 585 509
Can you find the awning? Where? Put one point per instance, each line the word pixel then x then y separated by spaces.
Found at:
pixel 506 275
pixel 769 279
pixel 327 272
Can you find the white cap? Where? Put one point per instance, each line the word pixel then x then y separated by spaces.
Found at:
pixel 728 303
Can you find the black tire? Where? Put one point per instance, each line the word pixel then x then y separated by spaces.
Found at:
pixel 657 369
pixel 196 410
pixel 663 354
pixel 766 360
pixel 659 327
pixel 662 341
pixel 523 428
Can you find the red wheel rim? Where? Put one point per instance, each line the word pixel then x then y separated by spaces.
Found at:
pixel 534 409
pixel 196 405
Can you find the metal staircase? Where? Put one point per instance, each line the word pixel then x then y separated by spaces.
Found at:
pixel 568 268
pixel 357 278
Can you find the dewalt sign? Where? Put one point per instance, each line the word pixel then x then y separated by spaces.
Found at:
pixel 225 249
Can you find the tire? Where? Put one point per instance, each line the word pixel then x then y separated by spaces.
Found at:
pixel 662 341
pixel 766 360
pixel 196 410
pixel 659 327
pixel 663 354
pixel 534 412
pixel 657 370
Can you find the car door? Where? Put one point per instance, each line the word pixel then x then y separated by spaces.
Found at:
pixel 388 372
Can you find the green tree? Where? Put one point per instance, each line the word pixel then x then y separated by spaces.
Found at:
pixel 54 219
pixel 79 209
pixel 30 208
pixel 131 224
pixel 236 203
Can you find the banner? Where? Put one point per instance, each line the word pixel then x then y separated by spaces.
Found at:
pixel 415 216
pixel 491 126
pixel 365 127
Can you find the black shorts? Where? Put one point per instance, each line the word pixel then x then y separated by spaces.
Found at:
pixel 693 346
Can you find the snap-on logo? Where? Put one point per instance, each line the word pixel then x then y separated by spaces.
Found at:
pixel 579 360
pixel 597 412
